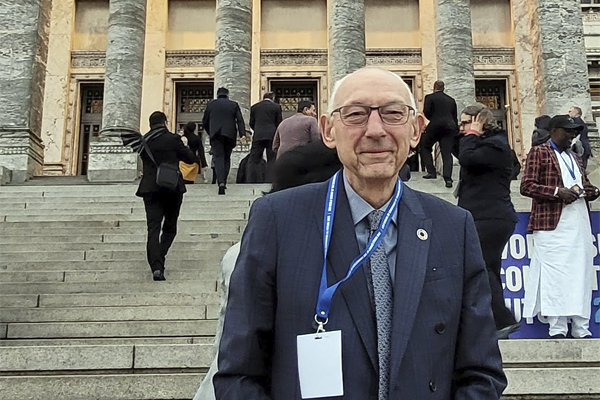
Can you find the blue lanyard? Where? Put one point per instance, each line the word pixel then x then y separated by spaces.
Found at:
pixel 326 293
pixel 570 168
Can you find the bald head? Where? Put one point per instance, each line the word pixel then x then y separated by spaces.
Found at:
pixel 383 78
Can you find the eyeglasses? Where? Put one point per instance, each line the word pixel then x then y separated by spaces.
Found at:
pixel 358 114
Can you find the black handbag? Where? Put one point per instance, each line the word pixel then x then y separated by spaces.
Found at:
pixel 167 175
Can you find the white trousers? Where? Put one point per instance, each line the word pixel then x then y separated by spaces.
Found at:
pixel 579 326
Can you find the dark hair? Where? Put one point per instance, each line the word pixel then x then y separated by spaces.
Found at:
pixel 189 128
pixel 222 91
pixel 543 122
pixel 305 104
pixel 489 122
pixel 158 117
pixel 439 86
pixel 269 95
pixel 311 163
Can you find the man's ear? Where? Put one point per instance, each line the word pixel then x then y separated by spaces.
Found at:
pixel 418 128
pixel 327 131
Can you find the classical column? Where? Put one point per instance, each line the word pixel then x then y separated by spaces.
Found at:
pixel 233 51
pixel 561 62
pixel 455 50
pixel 346 38
pixel 109 159
pixel 23 55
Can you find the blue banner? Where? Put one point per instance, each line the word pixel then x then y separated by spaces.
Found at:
pixel 515 267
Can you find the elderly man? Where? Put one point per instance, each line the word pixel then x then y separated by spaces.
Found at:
pixel 561 273
pixel 411 316
pixel 576 113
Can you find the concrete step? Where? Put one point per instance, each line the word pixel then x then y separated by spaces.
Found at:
pixel 66 218
pixel 208 340
pixel 165 385
pixel 116 228
pixel 117 238
pixel 118 299
pixel 50 330
pixel 191 206
pixel 184 226
pixel 110 314
pixel 177 246
pixel 194 287
pixel 108 276
pixel 106 357
pixel 98 255
pixel 106 265
pixel 127 212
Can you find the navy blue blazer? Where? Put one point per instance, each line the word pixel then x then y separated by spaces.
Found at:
pixel 444 342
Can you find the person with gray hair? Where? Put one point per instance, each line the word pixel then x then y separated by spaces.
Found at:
pixel 486 170
pixel 576 113
pixel 360 287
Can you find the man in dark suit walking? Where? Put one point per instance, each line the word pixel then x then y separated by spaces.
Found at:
pixel 265 117
pixel 223 122
pixel 161 204
pixel 411 318
pixel 440 110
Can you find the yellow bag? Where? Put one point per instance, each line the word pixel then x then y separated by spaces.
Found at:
pixel 189 171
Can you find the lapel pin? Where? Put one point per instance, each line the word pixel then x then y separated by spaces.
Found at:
pixel 422 234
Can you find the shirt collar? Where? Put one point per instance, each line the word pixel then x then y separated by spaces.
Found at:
pixel 359 207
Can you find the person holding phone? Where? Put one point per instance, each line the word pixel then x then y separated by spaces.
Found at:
pixel 486 162
pixel 561 274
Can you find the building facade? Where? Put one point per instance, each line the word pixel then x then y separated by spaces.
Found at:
pixel 88 70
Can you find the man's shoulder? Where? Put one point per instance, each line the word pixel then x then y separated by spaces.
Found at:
pixel 432 206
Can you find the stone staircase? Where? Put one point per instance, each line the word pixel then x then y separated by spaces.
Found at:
pixel 81 318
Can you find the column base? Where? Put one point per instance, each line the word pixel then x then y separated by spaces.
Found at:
pixel 110 161
pixel 21 154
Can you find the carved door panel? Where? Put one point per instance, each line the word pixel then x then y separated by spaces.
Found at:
pixel 492 93
pixel 192 98
pixel 92 101
pixel 290 93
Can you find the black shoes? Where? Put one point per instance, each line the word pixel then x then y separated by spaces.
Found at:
pixel 505 332
pixel 158 275
pixel 558 336
pixel 449 183
pixel 430 176
pixel 222 189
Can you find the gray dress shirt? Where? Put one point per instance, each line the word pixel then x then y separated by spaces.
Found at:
pixel 360 209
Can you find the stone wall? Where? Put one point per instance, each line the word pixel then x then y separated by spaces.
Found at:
pixel 23 55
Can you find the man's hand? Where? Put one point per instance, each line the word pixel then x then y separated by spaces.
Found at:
pixel 591 192
pixel 243 140
pixel 184 140
pixel 568 196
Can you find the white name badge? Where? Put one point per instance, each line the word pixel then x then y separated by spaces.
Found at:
pixel 320 364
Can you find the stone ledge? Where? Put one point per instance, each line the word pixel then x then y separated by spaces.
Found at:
pixel 549 353
pixel 553 381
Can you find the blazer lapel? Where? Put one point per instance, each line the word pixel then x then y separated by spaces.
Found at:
pixel 412 253
pixel 555 162
pixel 342 250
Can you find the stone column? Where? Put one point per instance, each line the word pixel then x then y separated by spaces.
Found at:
pixel 109 160
pixel 455 50
pixel 23 56
pixel 561 62
pixel 347 51
pixel 233 51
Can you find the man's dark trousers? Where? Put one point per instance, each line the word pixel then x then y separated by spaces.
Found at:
pixel 256 154
pixel 221 148
pixel 445 137
pixel 159 207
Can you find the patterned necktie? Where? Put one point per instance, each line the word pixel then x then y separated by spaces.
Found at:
pixel 384 303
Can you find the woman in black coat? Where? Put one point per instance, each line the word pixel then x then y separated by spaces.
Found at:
pixel 190 171
pixel 487 166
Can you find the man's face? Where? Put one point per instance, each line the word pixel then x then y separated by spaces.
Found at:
pixel 573 113
pixel 311 112
pixel 563 137
pixel 375 151
pixel 465 122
